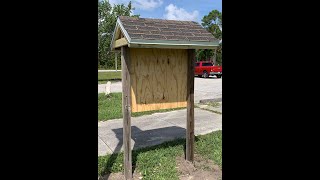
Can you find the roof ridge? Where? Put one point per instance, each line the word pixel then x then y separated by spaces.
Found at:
pixel 129 17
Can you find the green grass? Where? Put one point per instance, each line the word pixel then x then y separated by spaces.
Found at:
pixel 210 146
pixel 217 112
pixel 104 77
pixel 110 107
pixel 213 104
pixel 158 162
pixel 108 68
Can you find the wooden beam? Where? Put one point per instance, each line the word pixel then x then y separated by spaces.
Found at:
pixel 190 106
pixel 120 42
pixel 118 33
pixel 116 58
pixel 126 111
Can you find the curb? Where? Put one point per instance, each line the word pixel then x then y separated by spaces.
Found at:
pixel 210 100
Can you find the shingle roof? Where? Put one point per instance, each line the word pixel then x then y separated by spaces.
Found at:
pixel 159 29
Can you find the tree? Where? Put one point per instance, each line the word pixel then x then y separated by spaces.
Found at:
pixel 211 22
pixel 204 54
pixel 107 17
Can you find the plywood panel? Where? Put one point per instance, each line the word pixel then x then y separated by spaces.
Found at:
pixel 158 78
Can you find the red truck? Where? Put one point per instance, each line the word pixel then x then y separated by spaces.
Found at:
pixel 206 68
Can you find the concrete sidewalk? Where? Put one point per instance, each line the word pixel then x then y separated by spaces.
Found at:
pixel 154 129
pixel 109 70
pixel 115 87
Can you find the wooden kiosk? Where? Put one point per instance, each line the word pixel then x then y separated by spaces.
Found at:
pixel 157 62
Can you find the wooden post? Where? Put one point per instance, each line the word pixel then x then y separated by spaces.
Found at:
pixel 190 106
pixel 115 57
pixel 126 111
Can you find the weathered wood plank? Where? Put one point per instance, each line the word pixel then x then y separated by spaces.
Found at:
pixel 120 42
pixel 116 60
pixel 190 107
pixel 158 79
pixel 126 111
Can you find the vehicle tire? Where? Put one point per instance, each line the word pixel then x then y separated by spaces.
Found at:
pixel 218 76
pixel 200 76
pixel 205 74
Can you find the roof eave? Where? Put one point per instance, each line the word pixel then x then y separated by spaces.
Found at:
pixel 140 43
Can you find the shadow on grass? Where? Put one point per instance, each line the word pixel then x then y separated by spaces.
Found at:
pixel 161 138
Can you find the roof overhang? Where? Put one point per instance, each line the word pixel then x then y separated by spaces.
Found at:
pixel 143 43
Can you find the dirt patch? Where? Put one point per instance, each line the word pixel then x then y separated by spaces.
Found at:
pixel 120 176
pixel 202 169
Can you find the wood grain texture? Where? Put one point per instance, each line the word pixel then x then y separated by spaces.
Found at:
pixel 190 107
pixel 116 59
pixel 126 111
pixel 120 42
pixel 158 78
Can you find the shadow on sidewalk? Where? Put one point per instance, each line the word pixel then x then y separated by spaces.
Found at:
pixel 145 139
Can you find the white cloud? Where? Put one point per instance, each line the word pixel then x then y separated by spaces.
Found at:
pixel 175 13
pixel 112 2
pixel 139 4
pixel 147 4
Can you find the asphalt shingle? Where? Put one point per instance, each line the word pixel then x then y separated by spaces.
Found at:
pixel 159 29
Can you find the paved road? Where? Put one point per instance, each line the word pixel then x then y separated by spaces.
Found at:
pixel 208 88
pixel 154 129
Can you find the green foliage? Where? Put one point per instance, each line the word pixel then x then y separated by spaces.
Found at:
pixel 211 22
pixel 204 54
pixel 107 17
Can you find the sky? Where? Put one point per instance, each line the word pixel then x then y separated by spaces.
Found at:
pixel 189 10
